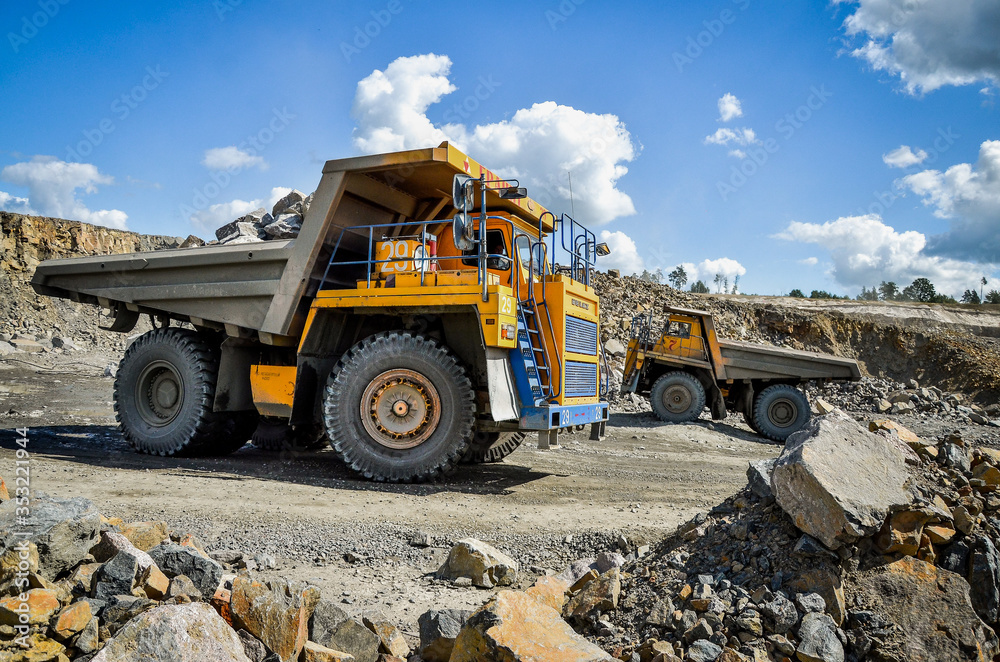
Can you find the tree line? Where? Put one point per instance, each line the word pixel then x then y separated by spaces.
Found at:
pixel 678 278
pixel 921 289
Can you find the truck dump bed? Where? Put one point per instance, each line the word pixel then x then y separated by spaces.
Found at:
pixel 265 287
pixel 743 360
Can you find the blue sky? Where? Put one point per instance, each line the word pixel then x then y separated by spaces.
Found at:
pixel 858 140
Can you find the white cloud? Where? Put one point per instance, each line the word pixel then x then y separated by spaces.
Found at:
pixel 232 158
pixel 809 261
pixel 219 214
pixel 865 251
pixel 971 196
pixel 537 145
pixel 904 157
pixel 624 255
pixel 738 153
pixel 52 185
pixel 729 108
pixel 725 136
pixel 706 271
pixel 15 204
pixel 929 43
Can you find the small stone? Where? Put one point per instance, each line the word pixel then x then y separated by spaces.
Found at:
pixel 313 652
pixel 145 535
pixel 703 651
pixel 71 620
pixel 420 539
pixel 390 638
pixel 173 560
pixel 116 577
pixel 485 565
pixel 700 630
pixel 810 602
pixel 602 595
pixel 818 640
pixel 41 603
pixel 823 407
pixel 182 585
pixel 438 631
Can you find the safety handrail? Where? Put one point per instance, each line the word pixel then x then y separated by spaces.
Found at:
pixel 553 388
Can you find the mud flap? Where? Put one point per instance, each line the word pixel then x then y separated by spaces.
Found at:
pixel 503 401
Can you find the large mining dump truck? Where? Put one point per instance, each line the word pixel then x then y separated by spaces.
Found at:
pixel 681 365
pixel 408 335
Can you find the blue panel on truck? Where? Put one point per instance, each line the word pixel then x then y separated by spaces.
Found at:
pixel 554 417
pixel 581 336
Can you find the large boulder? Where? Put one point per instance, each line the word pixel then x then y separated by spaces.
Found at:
pixel 63 530
pixel 485 565
pixel 190 632
pixel 330 626
pixel 514 626
pixel 837 481
pixel 932 609
pixel 277 613
pixel 438 631
pixel 173 560
pixel 291 198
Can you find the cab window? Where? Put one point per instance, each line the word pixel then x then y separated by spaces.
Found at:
pixel 495 245
pixel 679 329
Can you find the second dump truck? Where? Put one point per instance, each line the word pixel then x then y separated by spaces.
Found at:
pixel 682 365
pixel 418 320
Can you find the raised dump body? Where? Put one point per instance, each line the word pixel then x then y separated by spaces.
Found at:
pixel 407 339
pixel 683 366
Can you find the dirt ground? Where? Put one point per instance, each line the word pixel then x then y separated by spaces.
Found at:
pixel 352 537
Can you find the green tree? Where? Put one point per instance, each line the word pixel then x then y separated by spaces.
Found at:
pixel 992 297
pixel 718 283
pixel 678 278
pixel 797 293
pixel 652 276
pixel 822 294
pixel 699 287
pixel 888 291
pixel 920 289
pixel 868 295
pixel 970 296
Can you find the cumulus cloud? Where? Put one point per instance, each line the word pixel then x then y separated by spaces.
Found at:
pixel 52 189
pixel 928 44
pixel 217 215
pixel 232 158
pixel 729 108
pixel 15 204
pixel 537 145
pixel 809 261
pixel 970 196
pixel 624 255
pixel 707 270
pixel 904 157
pixel 726 136
pixel 865 251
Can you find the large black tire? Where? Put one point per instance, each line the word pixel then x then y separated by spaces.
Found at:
pixel 274 434
pixel 492 446
pixel 677 397
pixel 780 410
pixel 243 425
pixel 399 407
pixel 748 419
pixel 165 392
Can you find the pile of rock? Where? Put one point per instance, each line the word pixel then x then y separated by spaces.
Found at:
pixel 852 545
pixel 883 396
pixel 283 222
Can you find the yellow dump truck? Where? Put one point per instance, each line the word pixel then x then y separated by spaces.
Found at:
pixel 418 320
pixel 682 365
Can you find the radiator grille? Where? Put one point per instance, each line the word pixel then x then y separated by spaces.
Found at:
pixel 581 379
pixel 581 336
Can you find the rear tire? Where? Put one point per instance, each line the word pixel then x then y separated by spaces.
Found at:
pixel 492 446
pixel 165 394
pixel 677 397
pixel 399 407
pixel 275 434
pixel 748 419
pixel 780 410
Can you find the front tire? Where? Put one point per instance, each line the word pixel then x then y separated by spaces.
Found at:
pixel 677 397
pixel 780 410
pixel 399 407
pixel 165 394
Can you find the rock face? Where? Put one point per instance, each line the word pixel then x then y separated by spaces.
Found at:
pixel 932 609
pixel 175 633
pixel 277 613
pixel 818 639
pixel 837 481
pixel 64 530
pixel 513 626
pixel 485 565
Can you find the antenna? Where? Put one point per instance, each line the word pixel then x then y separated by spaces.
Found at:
pixel 572 209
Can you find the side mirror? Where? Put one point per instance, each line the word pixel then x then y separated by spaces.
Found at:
pixel 463 232
pixel 514 193
pixel 461 192
pixel 603 249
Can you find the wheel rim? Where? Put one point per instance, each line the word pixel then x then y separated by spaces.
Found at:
pixel 782 413
pixel 400 409
pixel 677 399
pixel 159 393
